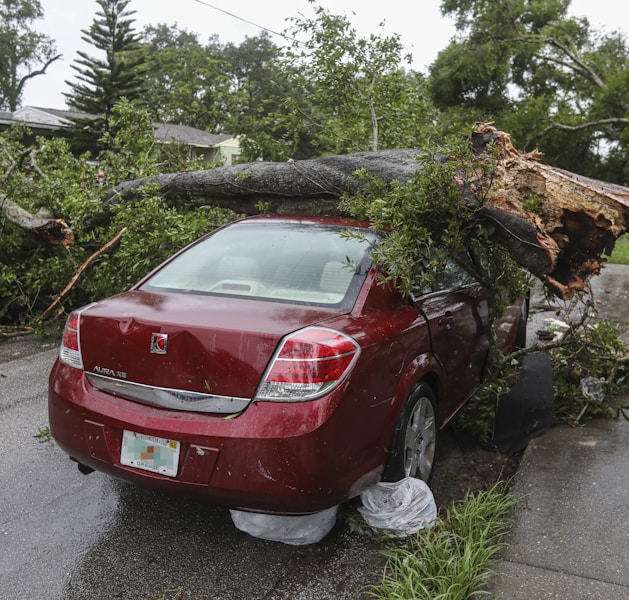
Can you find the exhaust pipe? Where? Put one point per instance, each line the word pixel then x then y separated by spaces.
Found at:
pixel 85 469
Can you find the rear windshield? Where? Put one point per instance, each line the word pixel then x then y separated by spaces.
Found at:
pixel 286 262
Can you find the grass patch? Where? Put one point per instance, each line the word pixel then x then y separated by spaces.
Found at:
pixel 174 594
pixel 620 254
pixel 452 560
pixel 43 434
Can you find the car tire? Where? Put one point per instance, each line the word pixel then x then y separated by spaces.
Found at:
pixel 414 446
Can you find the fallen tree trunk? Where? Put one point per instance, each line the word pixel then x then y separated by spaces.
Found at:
pixel 40 224
pixel 555 224
pixel 299 187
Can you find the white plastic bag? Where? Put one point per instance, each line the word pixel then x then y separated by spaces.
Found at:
pixel 294 530
pixel 593 388
pixel 402 507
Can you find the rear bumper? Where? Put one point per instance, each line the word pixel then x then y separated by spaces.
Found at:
pixel 290 458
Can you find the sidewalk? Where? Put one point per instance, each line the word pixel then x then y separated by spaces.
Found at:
pixel 570 537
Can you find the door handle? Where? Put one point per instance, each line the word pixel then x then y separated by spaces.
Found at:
pixel 445 320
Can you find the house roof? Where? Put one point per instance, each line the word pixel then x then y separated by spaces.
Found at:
pixel 62 115
pixel 51 118
pixel 5 117
pixel 166 132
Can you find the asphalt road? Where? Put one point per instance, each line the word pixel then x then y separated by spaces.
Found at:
pixel 64 535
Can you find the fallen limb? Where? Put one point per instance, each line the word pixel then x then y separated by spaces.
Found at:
pixel 23 331
pixel 80 270
pixel 49 230
pixel 555 224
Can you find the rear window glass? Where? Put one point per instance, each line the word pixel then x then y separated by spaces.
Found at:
pixel 291 262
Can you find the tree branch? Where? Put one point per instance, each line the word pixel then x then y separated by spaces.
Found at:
pixel 581 64
pixel 81 269
pixel 42 71
pixel 588 125
pixel 52 231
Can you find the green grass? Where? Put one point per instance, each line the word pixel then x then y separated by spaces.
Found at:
pixel 43 434
pixel 451 561
pixel 174 594
pixel 621 251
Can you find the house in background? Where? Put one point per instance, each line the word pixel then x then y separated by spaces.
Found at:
pixel 221 148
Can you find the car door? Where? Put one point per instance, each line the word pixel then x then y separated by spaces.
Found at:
pixel 456 311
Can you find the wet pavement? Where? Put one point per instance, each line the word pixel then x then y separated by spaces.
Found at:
pixel 570 538
pixel 67 536
pixel 570 535
pixel 611 293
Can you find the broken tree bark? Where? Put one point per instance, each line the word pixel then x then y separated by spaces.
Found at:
pixel 566 222
pixel 46 228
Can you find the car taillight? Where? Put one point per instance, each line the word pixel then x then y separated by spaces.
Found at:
pixel 308 364
pixel 70 351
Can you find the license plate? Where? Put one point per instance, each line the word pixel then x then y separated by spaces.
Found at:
pixel 150 453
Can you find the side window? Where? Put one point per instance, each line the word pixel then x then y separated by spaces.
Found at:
pixel 452 276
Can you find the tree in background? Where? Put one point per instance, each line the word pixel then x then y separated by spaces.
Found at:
pixel 104 82
pixel 333 93
pixel 24 53
pixel 266 89
pixel 239 89
pixel 545 77
pixel 186 82
pixel 363 96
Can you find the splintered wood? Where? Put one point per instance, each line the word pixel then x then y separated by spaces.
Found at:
pixel 572 220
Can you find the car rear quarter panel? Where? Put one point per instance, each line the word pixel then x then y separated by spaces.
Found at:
pixel 395 355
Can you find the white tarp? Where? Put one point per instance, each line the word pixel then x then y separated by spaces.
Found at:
pixel 294 530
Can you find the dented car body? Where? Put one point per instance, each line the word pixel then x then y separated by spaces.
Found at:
pixel 267 368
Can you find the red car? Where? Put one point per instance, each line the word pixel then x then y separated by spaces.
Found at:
pixel 266 368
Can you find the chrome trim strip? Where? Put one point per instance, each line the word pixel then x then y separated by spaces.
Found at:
pixel 167 397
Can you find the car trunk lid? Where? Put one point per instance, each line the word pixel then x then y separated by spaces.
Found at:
pixel 208 345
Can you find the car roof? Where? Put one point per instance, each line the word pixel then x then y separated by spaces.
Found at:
pixel 330 220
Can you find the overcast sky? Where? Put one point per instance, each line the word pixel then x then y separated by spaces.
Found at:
pixel 419 22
